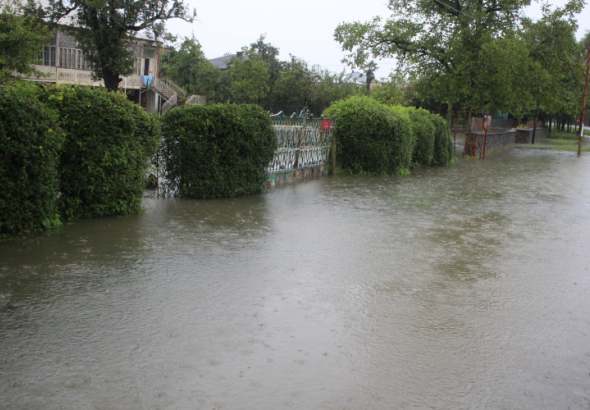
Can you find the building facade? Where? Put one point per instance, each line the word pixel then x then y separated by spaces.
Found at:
pixel 62 62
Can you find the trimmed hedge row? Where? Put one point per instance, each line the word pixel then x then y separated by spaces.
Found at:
pixel 375 138
pixel 443 143
pixel 217 150
pixel 70 152
pixel 104 158
pixel 424 130
pixel 372 137
pixel 30 142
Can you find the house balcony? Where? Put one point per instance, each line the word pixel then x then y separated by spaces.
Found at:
pixel 59 75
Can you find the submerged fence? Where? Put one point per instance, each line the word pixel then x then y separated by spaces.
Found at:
pixel 303 149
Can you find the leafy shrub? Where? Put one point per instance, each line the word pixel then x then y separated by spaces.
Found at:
pixel 217 150
pixel 372 138
pixel 443 143
pixel 30 140
pixel 424 134
pixel 403 139
pixel 109 141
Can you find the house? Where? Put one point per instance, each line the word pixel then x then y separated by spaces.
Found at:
pixel 63 63
pixel 354 77
pixel 222 62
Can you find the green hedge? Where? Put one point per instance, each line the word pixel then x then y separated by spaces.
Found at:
pixel 217 150
pixel 424 133
pixel 30 140
pixel 373 138
pixel 109 141
pixel 443 143
pixel 403 139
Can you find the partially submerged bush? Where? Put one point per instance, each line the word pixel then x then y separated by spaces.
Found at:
pixel 109 141
pixel 30 140
pixel 443 143
pixel 217 150
pixel 424 134
pixel 403 139
pixel 372 138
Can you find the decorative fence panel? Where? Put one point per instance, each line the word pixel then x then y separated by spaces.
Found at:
pixel 303 149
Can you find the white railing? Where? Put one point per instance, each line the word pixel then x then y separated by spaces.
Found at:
pixel 163 89
pixel 179 90
pixel 169 104
pixel 61 75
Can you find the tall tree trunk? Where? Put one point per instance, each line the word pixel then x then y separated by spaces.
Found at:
pixel 550 121
pixel 536 121
pixel 111 80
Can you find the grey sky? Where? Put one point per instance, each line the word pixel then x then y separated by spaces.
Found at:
pixel 303 28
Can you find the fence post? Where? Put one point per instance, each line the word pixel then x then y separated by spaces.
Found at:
pixel 333 150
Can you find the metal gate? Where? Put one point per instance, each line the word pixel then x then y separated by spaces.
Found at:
pixel 303 149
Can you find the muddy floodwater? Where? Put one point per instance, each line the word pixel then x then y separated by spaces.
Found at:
pixel 465 287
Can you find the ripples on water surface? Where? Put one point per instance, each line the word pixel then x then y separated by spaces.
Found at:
pixel 454 288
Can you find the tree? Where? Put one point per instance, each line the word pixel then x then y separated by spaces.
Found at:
pixel 104 29
pixel 294 87
pixel 249 78
pixel 396 90
pixel 370 73
pixel 189 68
pixel 23 35
pixel 445 41
pixel 269 55
pixel 556 61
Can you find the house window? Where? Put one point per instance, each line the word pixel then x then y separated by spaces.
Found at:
pixel 46 56
pixel 146 70
pixel 52 56
pixel 79 59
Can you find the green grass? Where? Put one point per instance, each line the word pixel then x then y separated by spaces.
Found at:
pixel 561 135
pixel 571 148
pixel 558 141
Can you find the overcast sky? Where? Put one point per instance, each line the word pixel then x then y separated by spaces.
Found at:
pixel 304 28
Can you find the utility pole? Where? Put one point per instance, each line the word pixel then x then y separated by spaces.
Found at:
pixel 584 104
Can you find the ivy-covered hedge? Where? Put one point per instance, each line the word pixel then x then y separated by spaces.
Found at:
pixel 109 141
pixel 443 143
pixel 217 150
pixel 30 141
pixel 424 133
pixel 373 138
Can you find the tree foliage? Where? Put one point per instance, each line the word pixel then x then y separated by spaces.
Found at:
pixel 189 68
pixel 23 34
pixel 477 54
pixel 105 28
pixel 249 78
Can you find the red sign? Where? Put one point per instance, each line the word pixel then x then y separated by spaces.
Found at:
pixel 326 124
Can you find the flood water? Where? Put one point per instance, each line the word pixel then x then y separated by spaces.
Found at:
pixel 465 287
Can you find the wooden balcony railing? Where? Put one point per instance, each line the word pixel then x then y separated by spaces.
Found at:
pixel 79 77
